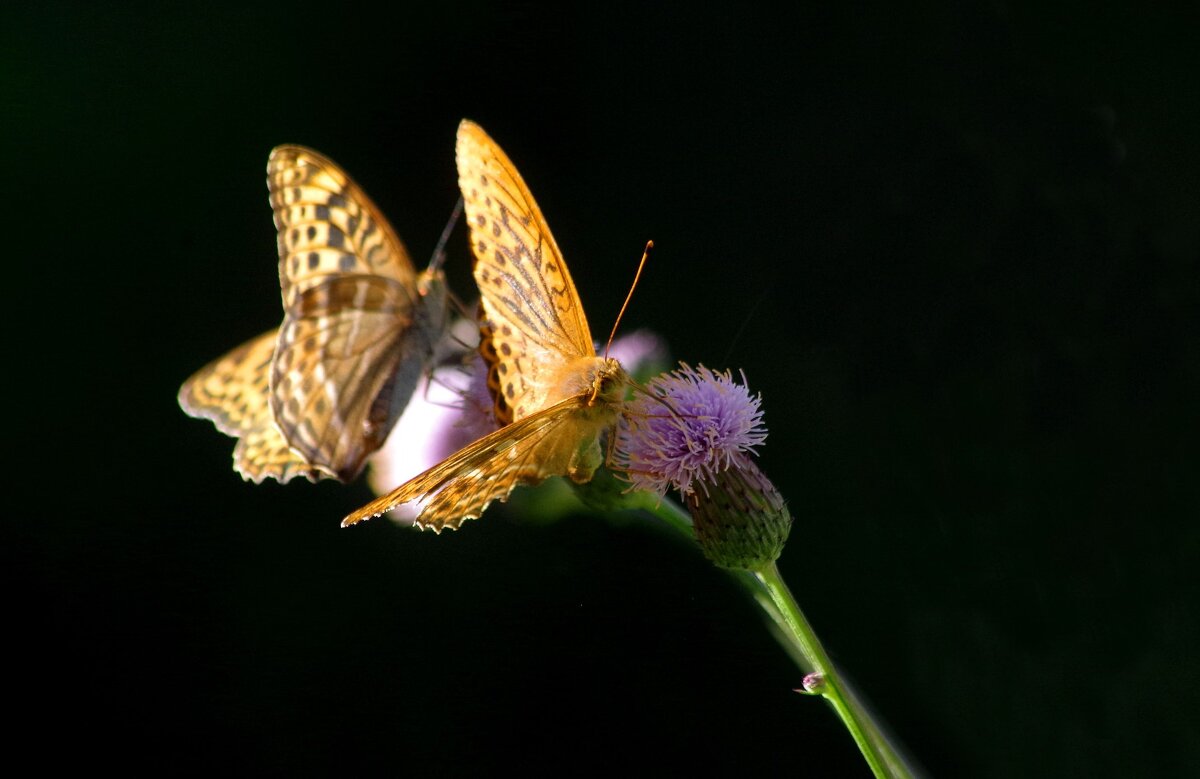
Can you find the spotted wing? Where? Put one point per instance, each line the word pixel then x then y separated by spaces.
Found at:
pixel 559 440
pixel 531 309
pixel 232 392
pixel 357 330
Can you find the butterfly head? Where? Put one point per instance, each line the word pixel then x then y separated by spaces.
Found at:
pixel 431 286
pixel 608 382
pixel 433 308
pixel 595 381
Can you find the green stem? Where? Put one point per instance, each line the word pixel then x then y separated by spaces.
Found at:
pixel 772 595
pixel 874 746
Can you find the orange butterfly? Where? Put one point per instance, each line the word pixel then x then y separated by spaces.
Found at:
pixel 544 367
pixel 321 393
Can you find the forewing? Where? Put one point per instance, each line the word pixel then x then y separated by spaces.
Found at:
pixel 232 392
pixel 327 226
pixel 530 304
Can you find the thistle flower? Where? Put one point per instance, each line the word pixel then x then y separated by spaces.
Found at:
pixel 696 432
pixel 709 419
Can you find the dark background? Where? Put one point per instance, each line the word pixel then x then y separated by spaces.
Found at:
pixel 956 250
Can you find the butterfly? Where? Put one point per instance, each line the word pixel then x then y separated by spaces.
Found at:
pixel 318 395
pixel 547 379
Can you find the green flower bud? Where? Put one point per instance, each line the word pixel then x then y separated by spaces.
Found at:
pixel 741 520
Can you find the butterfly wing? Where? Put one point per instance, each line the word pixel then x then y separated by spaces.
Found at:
pixel 532 312
pixel 359 325
pixel 232 392
pixel 546 443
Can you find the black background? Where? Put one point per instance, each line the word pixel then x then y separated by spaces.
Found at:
pixel 955 249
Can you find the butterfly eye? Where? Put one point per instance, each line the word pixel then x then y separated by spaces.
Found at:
pixel 609 386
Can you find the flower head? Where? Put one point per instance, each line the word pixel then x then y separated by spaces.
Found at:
pixel 696 431
pixel 690 428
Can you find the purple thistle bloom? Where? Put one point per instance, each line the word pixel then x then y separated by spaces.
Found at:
pixel 715 422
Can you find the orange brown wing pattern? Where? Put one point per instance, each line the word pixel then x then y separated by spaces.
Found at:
pixel 357 332
pixel 544 444
pixel 232 392
pixel 532 309
pixel 317 396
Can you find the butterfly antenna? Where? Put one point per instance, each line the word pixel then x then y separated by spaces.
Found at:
pixel 632 287
pixel 439 251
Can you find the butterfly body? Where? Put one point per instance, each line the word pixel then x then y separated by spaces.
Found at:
pixel 554 396
pixel 598 384
pixel 360 326
pixel 417 352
